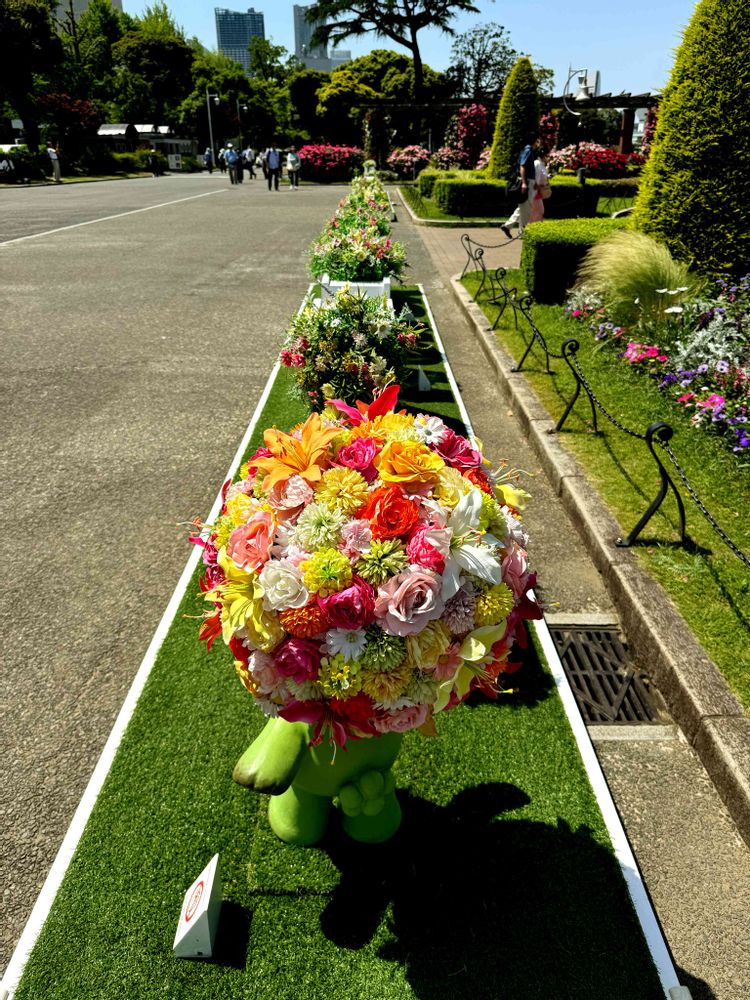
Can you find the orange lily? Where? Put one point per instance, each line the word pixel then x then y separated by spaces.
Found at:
pixel 292 456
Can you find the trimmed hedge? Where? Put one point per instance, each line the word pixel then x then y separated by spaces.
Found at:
pixel 517 120
pixel 468 196
pixel 552 252
pixel 426 180
pixel 472 193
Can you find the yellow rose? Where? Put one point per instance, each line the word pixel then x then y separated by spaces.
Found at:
pixel 408 462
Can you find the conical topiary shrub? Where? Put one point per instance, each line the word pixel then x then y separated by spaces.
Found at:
pixel 517 120
pixel 695 191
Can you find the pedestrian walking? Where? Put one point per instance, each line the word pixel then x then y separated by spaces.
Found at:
pixel 273 166
pixel 248 157
pixel 54 155
pixel 221 160
pixel 208 160
pixel 7 169
pixel 293 163
pixel 522 213
pixel 230 158
pixel 153 162
pixel 541 185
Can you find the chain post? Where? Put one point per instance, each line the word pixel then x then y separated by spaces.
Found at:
pixel 663 433
pixel 525 305
pixel 569 350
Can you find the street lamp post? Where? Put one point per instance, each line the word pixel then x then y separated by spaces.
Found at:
pixel 239 119
pixel 209 98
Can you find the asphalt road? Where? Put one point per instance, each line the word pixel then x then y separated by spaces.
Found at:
pixel 140 321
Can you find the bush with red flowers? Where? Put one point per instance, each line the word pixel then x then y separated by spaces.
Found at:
pixel 599 161
pixel 324 163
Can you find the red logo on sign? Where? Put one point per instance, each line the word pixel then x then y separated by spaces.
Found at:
pixel 194 902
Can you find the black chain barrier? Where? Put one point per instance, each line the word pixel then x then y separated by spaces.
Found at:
pixel 499 294
pixel 657 433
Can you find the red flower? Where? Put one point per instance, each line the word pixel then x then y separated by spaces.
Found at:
pixel 390 512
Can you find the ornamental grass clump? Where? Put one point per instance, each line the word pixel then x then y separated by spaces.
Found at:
pixel 402 593
pixel 637 278
pixel 348 347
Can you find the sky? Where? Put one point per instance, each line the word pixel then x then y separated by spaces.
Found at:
pixel 632 45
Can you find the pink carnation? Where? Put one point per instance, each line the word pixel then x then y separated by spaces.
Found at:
pixel 407 602
pixel 355 538
pixel 352 608
pixel 249 546
pixel 290 497
pixel 423 551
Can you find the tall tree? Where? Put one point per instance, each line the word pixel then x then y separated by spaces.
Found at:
pixel 399 20
pixel 695 190
pixel 517 120
pixel 268 61
pixel 481 60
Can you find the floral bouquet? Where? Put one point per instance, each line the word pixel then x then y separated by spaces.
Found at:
pixel 357 255
pixel 348 347
pixel 367 571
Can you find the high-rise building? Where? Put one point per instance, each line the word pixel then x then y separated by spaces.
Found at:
pixel 234 31
pixel 303 32
pixel 79 6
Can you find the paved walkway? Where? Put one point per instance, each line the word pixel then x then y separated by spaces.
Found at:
pixel 696 866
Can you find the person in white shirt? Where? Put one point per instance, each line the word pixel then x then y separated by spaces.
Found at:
pixel 248 158
pixel 54 154
pixel 542 189
pixel 293 163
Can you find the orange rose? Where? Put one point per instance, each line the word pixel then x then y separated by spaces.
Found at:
pixel 408 462
pixel 389 512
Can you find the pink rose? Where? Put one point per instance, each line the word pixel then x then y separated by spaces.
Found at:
pixel 298 659
pixel 515 571
pixel 423 548
pixel 359 455
pixel 457 451
pixel 401 720
pixel 352 608
pixel 249 546
pixel 290 497
pixel 407 602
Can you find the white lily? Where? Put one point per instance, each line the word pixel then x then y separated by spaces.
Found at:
pixel 466 551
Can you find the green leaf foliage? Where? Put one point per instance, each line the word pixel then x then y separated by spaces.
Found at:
pixel 695 189
pixel 517 120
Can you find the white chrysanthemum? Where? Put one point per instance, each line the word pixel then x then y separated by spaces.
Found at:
pixel 306 691
pixel 319 527
pixel 422 690
pixel 350 644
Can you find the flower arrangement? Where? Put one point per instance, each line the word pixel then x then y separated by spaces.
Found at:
pixel 356 244
pixel 325 163
pixel 407 162
pixel 367 571
pixel 349 347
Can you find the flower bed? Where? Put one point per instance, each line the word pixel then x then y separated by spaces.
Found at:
pixel 704 360
pixel 367 572
pixel 407 162
pixel 599 161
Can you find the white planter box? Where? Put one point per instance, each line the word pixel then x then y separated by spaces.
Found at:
pixel 372 289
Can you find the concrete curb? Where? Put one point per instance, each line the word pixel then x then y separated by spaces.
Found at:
pixel 694 689
pixel 447 223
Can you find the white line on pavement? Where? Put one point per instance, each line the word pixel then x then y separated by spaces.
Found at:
pixel 107 218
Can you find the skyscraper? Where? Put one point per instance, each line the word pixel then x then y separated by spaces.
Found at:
pixel 303 32
pixel 234 31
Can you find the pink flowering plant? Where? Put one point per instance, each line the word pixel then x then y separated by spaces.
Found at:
pixel 367 572
pixel 348 347
pixel 600 161
pixel 408 161
pixel 325 163
pixel 706 368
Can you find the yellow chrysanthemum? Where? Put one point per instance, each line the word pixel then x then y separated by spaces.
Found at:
pixel 224 527
pixel 386 686
pixel 344 489
pixel 494 605
pixel 490 516
pixel 423 650
pixel 326 572
pixel 337 678
pixel 241 508
pixel 451 486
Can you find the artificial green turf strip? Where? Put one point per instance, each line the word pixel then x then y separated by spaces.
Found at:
pixel 500 884
pixel 708 583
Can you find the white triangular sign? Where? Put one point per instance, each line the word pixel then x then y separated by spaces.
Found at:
pixel 423 383
pixel 199 918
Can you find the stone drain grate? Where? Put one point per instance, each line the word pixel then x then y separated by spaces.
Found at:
pixel 605 683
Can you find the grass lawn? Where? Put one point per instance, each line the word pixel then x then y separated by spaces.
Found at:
pixel 501 883
pixel 709 584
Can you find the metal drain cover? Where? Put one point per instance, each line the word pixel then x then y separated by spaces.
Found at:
pixel 602 676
